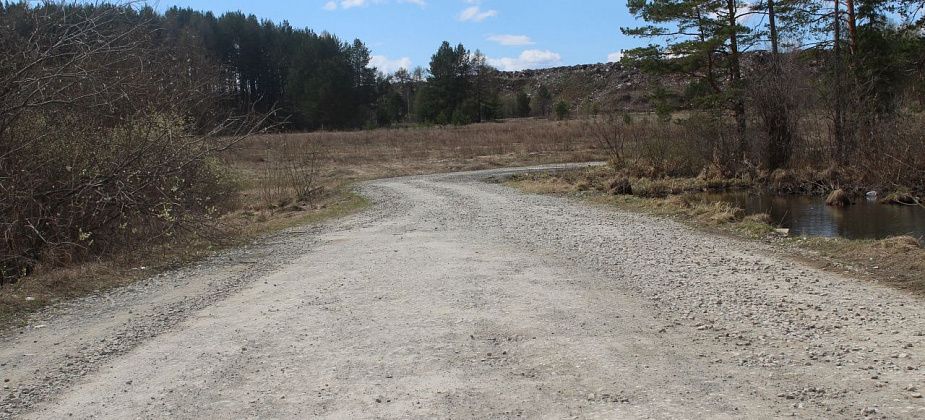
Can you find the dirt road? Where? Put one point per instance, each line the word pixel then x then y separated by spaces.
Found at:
pixel 456 298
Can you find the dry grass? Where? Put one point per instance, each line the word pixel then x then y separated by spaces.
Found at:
pixel 898 262
pixel 604 178
pixel 591 184
pixel 381 153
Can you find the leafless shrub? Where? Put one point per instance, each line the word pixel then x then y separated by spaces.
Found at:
pixel 97 149
pixel 291 172
pixel 892 154
pixel 778 94
pixel 652 148
pixel 613 136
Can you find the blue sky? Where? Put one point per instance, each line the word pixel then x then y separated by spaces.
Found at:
pixel 514 34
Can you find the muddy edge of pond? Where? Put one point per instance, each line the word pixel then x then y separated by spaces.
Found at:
pixel 813 216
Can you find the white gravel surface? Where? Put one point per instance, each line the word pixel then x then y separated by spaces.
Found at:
pixel 457 298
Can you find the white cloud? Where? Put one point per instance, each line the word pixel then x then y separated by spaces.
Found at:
pixel 476 14
pixel 387 65
pixel 332 5
pixel 615 57
pixel 529 59
pixel 511 40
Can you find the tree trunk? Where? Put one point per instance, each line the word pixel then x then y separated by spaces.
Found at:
pixel 772 26
pixel 777 112
pixel 839 123
pixel 735 77
pixel 478 95
pixel 852 26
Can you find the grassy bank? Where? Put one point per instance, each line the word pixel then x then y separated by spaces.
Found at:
pixel 898 262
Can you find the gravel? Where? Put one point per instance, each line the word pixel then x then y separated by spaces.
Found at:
pixel 453 297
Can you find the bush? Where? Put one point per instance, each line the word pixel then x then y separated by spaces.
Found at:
pixel 106 140
pixel 562 110
pixel 72 191
pixel 620 186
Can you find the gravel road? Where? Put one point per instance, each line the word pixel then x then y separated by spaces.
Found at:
pixel 458 298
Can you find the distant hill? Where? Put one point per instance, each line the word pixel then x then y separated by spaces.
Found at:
pixel 606 87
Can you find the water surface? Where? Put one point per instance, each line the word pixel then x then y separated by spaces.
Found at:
pixel 809 216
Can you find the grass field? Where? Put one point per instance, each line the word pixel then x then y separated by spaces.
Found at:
pixel 360 155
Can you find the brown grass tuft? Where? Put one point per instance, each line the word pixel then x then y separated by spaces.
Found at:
pixel 901 199
pixel 838 198
pixel 900 243
pixel 759 218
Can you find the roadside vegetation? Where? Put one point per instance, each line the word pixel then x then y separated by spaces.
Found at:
pixel 896 261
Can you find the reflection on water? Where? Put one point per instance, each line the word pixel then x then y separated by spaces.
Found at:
pixel 809 216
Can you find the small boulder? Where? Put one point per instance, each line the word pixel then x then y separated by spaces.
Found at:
pixel 838 198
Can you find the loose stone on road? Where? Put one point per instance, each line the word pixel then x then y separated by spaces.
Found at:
pixel 454 297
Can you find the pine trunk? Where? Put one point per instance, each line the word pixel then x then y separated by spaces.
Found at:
pixel 735 77
pixel 839 123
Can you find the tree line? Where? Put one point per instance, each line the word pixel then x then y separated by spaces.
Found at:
pixel 856 67
pixel 459 87
pixel 307 80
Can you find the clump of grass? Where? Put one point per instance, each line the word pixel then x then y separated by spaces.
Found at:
pixel 756 226
pixel 901 198
pixel 679 201
pixel 838 198
pixel 717 213
pixel 543 184
pixel 905 244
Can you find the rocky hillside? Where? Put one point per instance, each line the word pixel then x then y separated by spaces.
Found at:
pixel 606 87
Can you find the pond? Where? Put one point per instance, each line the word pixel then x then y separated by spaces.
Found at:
pixel 810 216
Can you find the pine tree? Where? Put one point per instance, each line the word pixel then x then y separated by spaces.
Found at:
pixel 447 84
pixel 522 104
pixel 702 40
pixel 542 101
